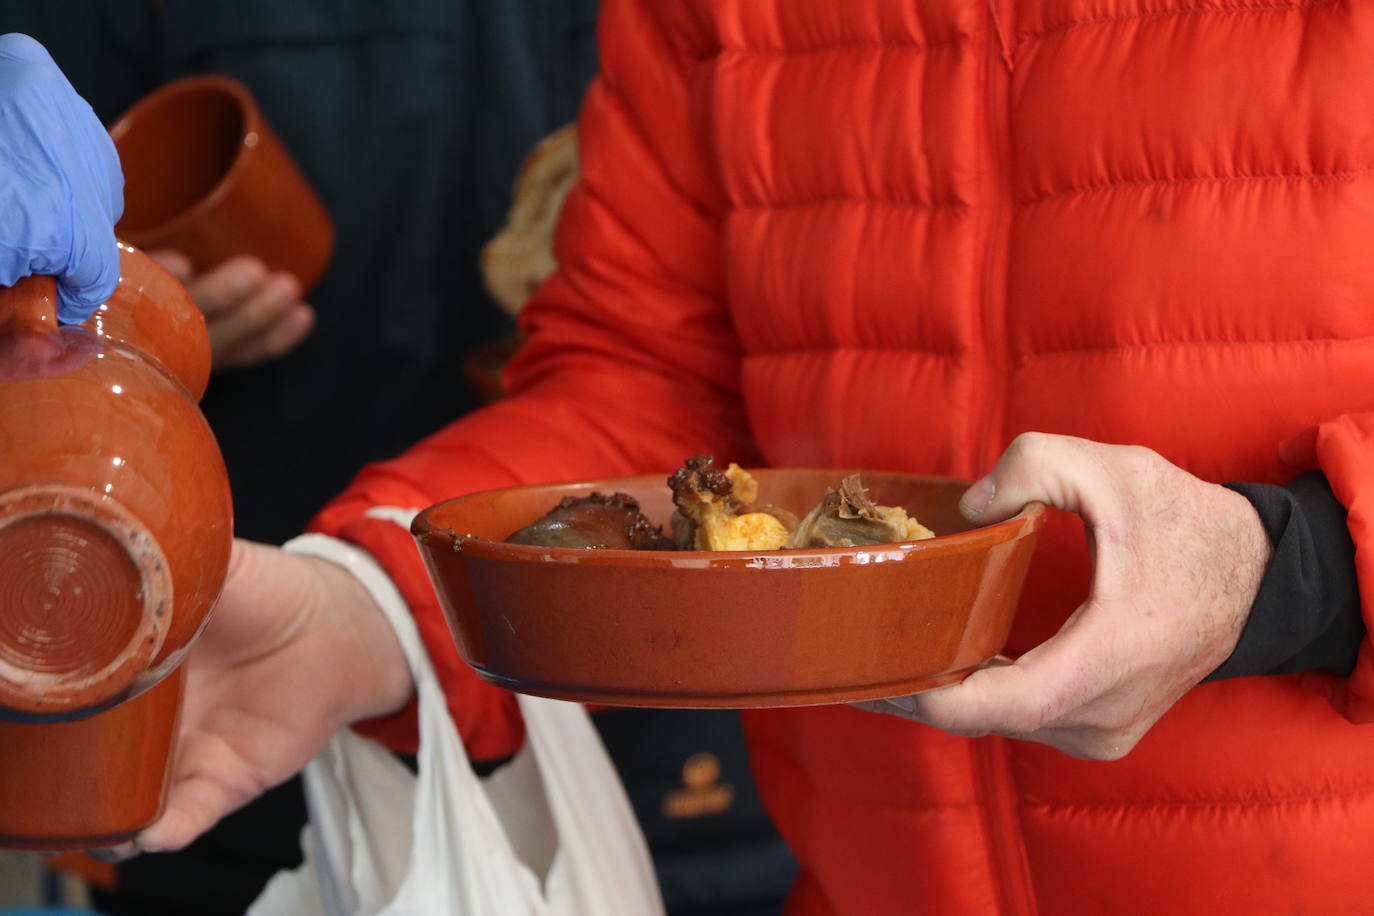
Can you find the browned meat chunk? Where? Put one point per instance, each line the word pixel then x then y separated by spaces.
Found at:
pixel 612 522
pixel 848 518
pixel 715 510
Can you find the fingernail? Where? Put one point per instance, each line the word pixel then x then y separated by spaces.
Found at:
pixel 977 498
pixel 113 855
pixel 287 287
pixel 248 274
pixel 243 282
pixel 906 704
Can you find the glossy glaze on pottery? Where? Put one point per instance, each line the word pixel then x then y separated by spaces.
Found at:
pixel 205 174
pixel 115 519
pixel 92 783
pixel 698 629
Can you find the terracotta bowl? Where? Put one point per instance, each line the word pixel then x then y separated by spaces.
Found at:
pixel 730 629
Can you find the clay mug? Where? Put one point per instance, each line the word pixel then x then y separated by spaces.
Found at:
pixel 205 174
pixel 115 532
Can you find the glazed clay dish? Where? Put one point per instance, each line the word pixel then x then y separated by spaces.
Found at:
pixel 691 628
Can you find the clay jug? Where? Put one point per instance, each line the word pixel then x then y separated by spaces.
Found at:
pixel 115 531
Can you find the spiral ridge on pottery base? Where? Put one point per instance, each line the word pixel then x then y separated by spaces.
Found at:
pixel 74 590
pixel 88 593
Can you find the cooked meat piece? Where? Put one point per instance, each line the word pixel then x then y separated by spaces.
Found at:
pixel 848 518
pixel 714 511
pixel 699 492
pixel 613 522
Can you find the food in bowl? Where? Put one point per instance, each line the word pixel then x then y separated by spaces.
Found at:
pixel 716 510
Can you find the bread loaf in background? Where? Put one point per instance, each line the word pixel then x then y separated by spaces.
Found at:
pixel 520 257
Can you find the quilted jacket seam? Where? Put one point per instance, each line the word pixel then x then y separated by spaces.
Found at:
pixel 772 205
pixel 1027 357
pixel 832 349
pixel 1189 11
pixel 1325 797
pixel 828 47
pixel 1339 176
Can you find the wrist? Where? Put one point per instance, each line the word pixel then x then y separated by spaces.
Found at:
pixel 373 677
pixel 1255 549
pixel 1241 566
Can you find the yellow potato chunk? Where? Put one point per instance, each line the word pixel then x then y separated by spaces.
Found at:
pixel 751 531
pixel 743 485
pixel 915 531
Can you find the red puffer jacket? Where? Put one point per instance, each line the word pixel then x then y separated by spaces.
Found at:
pixel 895 234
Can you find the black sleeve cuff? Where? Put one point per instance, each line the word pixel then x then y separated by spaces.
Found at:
pixel 1306 616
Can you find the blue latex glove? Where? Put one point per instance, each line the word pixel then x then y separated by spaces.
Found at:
pixel 61 189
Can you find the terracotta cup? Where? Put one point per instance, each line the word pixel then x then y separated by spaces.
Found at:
pixel 205 174
pixel 115 531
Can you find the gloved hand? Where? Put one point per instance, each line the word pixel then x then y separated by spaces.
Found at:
pixel 61 189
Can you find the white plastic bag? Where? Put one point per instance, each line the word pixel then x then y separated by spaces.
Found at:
pixel 549 834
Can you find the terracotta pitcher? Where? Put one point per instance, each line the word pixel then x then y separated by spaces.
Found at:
pixel 115 530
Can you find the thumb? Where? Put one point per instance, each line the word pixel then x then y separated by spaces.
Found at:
pixel 1062 471
pixel 91 278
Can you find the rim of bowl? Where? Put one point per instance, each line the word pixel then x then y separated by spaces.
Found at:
pixel 1030 519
